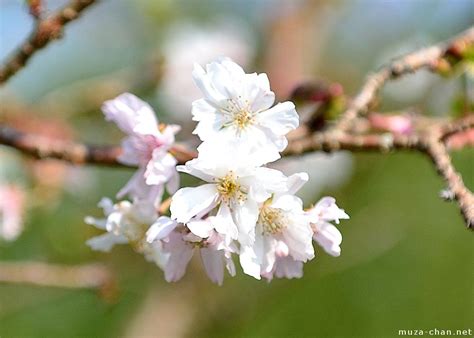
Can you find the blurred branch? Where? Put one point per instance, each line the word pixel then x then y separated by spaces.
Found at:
pixel 87 276
pixel 42 147
pixel 46 31
pixel 430 57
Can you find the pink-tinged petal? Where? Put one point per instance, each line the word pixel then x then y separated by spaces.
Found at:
pixel 166 137
pixel 213 264
pixel 160 229
pixel 160 168
pixel 299 238
pixel 173 183
pixel 188 202
pixel 131 114
pixel 135 186
pixel 329 238
pixel 180 253
pixel 287 267
pixel 327 210
pixel 280 119
pixel 201 228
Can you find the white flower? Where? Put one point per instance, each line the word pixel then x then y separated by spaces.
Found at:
pixel 237 107
pixel 180 245
pixel 234 185
pixel 146 146
pixel 127 222
pixel 12 204
pixel 326 234
pixel 283 230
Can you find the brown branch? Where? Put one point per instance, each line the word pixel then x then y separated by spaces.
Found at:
pixel 331 142
pixel 424 58
pixel 42 147
pixel 442 161
pixel 88 276
pixel 46 31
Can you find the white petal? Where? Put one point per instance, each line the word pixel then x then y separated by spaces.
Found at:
pixel 160 229
pixel 99 223
pixel 205 84
pixel 261 97
pixel 280 119
pixel 201 228
pixel 296 181
pixel 288 203
pixel 249 261
pixel 265 182
pixel 223 222
pixel 188 202
pixel 107 205
pixel 197 168
pixel 245 217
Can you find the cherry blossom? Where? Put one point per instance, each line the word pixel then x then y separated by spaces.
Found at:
pixel 128 223
pixel 243 208
pixel 234 185
pixel 283 230
pixel 237 107
pixel 325 233
pixel 147 146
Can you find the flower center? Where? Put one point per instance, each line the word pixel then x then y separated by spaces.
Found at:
pixel 229 188
pixel 239 113
pixel 243 118
pixel 272 220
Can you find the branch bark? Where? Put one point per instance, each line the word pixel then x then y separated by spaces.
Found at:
pixel 42 147
pixel 46 31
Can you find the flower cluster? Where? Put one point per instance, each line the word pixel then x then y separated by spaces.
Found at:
pixel 242 209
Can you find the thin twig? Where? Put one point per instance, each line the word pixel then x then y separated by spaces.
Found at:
pixel 45 31
pixel 409 63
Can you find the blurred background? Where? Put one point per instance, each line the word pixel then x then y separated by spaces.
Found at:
pixel 407 259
